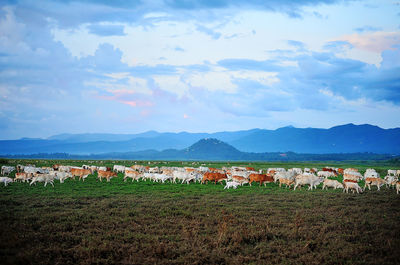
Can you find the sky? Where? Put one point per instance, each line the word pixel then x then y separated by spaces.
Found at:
pixel 129 66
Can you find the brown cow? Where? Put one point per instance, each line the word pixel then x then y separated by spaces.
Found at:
pixel 262 178
pixel 106 174
pixel 81 173
pixel 250 168
pixel 340 171
pixel 240 179
pixel 22 176
pixel 287 182
pixel 212 176
pixel 350 180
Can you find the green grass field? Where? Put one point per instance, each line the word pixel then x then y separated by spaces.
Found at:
pixel 143 222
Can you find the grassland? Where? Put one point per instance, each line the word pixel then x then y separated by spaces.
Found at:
pixel 120 222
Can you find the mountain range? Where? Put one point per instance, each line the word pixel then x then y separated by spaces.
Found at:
pixel 347 138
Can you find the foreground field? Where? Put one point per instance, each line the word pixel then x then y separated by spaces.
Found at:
pixel 146 222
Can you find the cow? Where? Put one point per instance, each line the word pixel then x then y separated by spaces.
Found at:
pixel 213 176
pixel 371 173
pixel 297 171
pixel 64 168
pixel 307 179
pixel 287 182
pixel 284 175
pixel 56 167
pixel 231 184
pixel 22 176
pixel 390 180
pixel 353 176
pixel 130 173
pixel 240 179
pixel 62 176
pixel 46 178
pixel 6 180
pixel 351 185
pixel 80 172
pixel 374 181
pixel 6 170
pixel 332 183
pixel 118 168
pixel 326 174
pixel 106 174
pixel 397 187
pixel 261 178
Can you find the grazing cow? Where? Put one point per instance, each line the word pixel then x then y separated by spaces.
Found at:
pixel 351 185
pixel 130 173
pixel 6 170
pixel 240 179
pixel 102 168
pixel 326 174
pixel 46 178
pixel 161 177
pixel 20 168
pixel 287 182
pixel 284 175
pixel 22 176
pixel 307 179
pixel 214 176
pixel 390 180
pixel 297 171
pixel 261 178
pixel 6 180
pixel 106 174
pixel 62 176
pixel 371 173
pixel 340 171
pixel 64 168
pixel 353 175
pixel 118 168
pixel 332 183
pixel 231 184
pixel 374 181
pixel 80 172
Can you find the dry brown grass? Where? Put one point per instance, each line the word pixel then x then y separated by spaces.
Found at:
pixel 257 226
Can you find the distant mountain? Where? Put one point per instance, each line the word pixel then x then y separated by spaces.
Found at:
pixel 211 149
pixel 347 138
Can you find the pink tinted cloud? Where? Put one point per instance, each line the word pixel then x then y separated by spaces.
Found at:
pixel 127 97
pixel 374 41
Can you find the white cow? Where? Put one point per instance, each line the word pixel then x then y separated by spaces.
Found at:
pixel 290 175
pixel 371 173
pixel 231 184
pixel 6 170
pixel 296 170
pixel 332 183
pixel 308 179
pixel 46 178
pixel 326 174
pixel 392 172
pixel 6 180
pixel 118 168
pixel 353 186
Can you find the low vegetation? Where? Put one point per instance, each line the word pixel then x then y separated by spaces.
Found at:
pixel 143 222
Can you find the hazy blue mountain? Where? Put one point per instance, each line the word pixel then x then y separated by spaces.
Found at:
pixel 211 149
pixel 347 138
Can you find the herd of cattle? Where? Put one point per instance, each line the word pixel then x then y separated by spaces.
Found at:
pixel 233 176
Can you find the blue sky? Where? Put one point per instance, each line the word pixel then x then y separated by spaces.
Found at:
pixel 197 66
